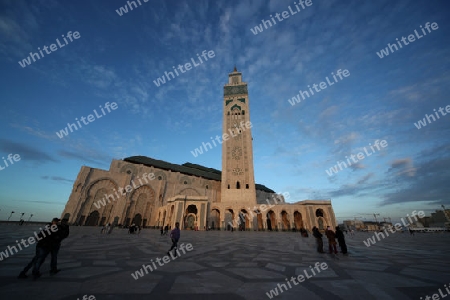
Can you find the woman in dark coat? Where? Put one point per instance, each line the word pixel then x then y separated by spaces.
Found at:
pixel 341 239
pixel 318 236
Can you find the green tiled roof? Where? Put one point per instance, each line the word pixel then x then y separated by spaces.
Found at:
pixel 186 168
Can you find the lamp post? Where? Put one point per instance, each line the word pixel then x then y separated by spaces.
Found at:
pixel 10 216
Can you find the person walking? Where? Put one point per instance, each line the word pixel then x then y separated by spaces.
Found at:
pixel 318 236
pixel 341 239
pixel 331 240
pixel 59 235
pixel 175 236
pixel 43 248
pixel 166 229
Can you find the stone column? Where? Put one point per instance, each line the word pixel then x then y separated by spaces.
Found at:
pixel 202 216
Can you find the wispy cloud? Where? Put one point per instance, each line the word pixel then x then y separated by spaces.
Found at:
pixel 92 157
pixel 57 178
pixel 26 152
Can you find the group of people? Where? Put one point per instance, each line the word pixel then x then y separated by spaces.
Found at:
pixel 47 244
pixel 134 229
pixel 331 236
pixel 106 229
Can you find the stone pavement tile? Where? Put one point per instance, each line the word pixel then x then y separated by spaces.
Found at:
pixel 86 272
pixel 262 259
pixel 275 267
pixel 431 275
pixel 124 284
pixel 178 266
pixel 434 267
pixel 205 282
pixel 43 288
pixel 386 279
pixel 260 290
pixel 363 265
pixel 104 263
pixel 68 265
pixel 246 264
pixel 255 273
pixel 344 289
pixel 445 261
pixel 327 273
pixel 219 264
pixel 138 262
pixel 382 292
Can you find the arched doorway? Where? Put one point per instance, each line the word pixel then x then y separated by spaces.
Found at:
pixel 298 220
pixel 271 221
pixel 260 221
pixel 190 220
pixel 92 219
pixel 320 218
pixel 137 220
pixel 229 219
pixel 215 219
pixel 172 209
pixel 320 222
pixel 285 220
pixel 164 219
pixel 244 221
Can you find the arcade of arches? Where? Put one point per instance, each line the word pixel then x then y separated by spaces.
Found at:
pixel 192 214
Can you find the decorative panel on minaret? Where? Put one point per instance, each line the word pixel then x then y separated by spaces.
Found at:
pixel 238 181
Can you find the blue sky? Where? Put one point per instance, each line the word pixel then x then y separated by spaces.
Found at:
pixel 116 58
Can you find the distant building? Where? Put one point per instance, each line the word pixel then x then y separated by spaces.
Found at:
pixel 371 226
pixel 437 219
pixel 354 224
pixel 385 225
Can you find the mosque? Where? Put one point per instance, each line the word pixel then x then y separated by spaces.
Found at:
pixel 154 193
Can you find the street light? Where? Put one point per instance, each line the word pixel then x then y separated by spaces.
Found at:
pixel 10 216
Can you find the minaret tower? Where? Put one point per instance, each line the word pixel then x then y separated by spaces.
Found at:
pixel 238 179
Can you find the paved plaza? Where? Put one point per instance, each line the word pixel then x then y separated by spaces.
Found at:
pixel 228 265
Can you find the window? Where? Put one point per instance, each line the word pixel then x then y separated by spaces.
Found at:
pixel 238 185
pixel 159 178
pixel 185 182
pixel 246 186
pixel 206 186
pixel 228 186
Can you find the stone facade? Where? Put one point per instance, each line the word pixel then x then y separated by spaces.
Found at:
pixel 149 192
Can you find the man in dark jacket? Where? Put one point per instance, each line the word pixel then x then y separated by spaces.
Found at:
pixel 43 248
pixel 331 240
pixel 341 239
pixel 175 236
pixel 62 233
pixel 319 241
